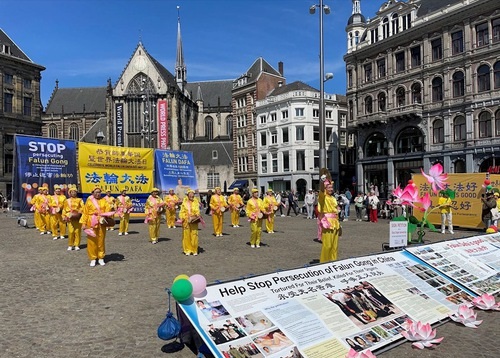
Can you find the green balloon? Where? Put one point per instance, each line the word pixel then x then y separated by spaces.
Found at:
pixel 182 289
pixel 489 187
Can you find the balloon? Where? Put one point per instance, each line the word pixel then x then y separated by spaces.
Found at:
pixel 181 276
pixel 487 182
pixel 182 289
pixel 199 284
pixel 489 187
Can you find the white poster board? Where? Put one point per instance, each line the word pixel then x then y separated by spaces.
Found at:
pixel 398 233
pixel 323 310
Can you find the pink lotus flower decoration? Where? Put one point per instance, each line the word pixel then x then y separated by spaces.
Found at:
pixel 466 316
pixel 90 232
pixel 486 302
pixel 421 334
pixel 353 354
pixel 436 177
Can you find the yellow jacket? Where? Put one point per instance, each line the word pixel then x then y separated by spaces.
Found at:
pixel 91 214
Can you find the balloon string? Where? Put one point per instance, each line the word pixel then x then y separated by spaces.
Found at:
pixel 168 292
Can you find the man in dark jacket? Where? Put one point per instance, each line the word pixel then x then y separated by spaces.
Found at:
pixel 489 203
pixel 291 204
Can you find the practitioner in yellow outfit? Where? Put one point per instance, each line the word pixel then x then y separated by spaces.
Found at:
pixel 123 209
pixel 37 217
pixel 57 223
pixel 112 204
pixel 444 202
pixel 235 202
pixel 190 216
pixel 271 206
pixel 92 223
pixel 155 206
pixel 43 205
pixel 218 206
pixel 328 209
pixel 171 201
pixel 71 214
pixel 255 209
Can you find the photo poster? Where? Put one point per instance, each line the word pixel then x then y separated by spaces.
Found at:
pixel 467 205
pixel 472 262
pixel 175 170
pixel 322 311
pixel 42 162
pixel 115 169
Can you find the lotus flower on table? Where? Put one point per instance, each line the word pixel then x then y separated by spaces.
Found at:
pixel 486 302
pixel 421 334
pixel 366 354
pixel 466 316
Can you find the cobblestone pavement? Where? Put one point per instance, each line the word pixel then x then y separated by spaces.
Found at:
pixel 52 304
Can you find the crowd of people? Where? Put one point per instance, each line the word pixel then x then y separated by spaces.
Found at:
pixel 67 216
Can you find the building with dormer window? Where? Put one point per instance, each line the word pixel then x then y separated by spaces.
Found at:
pixel 423 86
pixel 20 104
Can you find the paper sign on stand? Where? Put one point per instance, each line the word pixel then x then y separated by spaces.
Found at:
pixel 398 234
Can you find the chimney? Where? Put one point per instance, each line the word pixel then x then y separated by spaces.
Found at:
pixel 280 68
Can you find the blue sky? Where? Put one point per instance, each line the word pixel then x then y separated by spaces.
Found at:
pixel 82 43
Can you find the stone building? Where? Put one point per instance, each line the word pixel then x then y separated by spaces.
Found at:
pixel 254 85
pixel 20 104
pixel 423 86
pixel 288 137
pixel 149 107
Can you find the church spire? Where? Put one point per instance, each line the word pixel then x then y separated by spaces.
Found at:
pixel 180 66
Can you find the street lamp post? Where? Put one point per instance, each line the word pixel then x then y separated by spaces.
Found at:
pixel 322 126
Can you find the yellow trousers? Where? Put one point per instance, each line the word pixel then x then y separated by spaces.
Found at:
pixel 124 223
pixel 235 217
pixel 329 249
pixel 95 245
pixel 190 238
pixel 256 232
pixel 38 221
pixel 57 224
pixel 270 223
pixel 154 229
pixel 43 222
pixel 171 217
pixel 74 233
pixel 217 220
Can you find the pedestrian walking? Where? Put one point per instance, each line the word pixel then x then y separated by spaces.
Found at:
pixel 309 200
pixel 291 204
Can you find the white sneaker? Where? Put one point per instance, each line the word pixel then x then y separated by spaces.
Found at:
pixel 70 248
pixel 195 254
pixel 101 262
pixel 442 231
pixel 55 238
pixel 451 232
pixel 257 246
pixel 92 263
pixel 154 242
pixel 62 237
pixel 77 248
pixel 282 215
pixel 252 246
pixel 112 229
pixel 42 233
pixel 126 233
pixel 120 234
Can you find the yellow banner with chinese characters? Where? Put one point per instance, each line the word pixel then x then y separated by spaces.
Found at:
pixel 115 168
pixel 467 205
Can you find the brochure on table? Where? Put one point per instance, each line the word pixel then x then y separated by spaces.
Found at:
pixel 321 311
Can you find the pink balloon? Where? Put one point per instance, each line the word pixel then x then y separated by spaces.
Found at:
pixel 199 284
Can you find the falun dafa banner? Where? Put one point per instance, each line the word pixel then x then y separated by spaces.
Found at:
pixel 467 205
pixel 115 168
